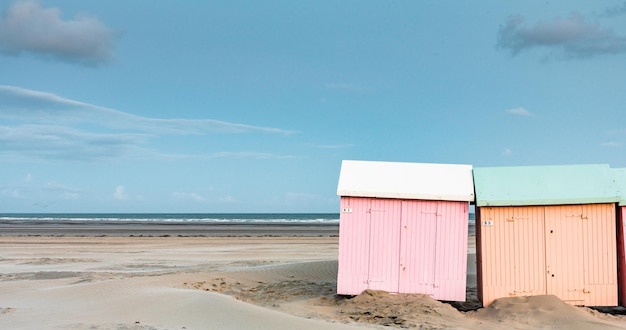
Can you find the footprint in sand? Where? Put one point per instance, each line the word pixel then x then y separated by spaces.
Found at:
pixel 6 310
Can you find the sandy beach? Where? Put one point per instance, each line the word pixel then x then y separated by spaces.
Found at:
pixel 243 280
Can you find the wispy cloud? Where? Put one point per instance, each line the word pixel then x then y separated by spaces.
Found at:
pixel 298 200
pixel 615 11
pixel 62 191
pixel 619 131
pixel 344 87
pixel 188 196
pixel 30 106
pixel 519 112
pixel 611 144
pixel 59 143
pixel 246 154
pixel 66 143
pixel 51 190
pixel 332 146
pixel 202 198
pixel 226 199
pixel 27 27
pixel 570 37
pixel 12 192
pixel 46 126
pixel 507 152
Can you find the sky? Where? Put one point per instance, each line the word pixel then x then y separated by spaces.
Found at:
pixel 250 106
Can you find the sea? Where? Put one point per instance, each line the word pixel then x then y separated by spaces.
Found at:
pixel 170 218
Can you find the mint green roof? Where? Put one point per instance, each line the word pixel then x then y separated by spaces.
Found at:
pixel 620 178
pixel 545 185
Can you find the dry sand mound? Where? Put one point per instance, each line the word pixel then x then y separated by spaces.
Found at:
pixel 403 310
pixel 541 312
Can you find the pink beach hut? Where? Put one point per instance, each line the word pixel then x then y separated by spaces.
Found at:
pixel 403 228
pixel 547 230
pixel 620 178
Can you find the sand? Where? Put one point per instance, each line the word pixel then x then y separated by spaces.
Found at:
pixel 261 282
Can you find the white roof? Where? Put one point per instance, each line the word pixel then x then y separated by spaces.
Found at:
pixel 448 182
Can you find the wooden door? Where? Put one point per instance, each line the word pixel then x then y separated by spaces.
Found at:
pixel 565 253
pixel 600 249
pixel 451 251
pixel 418 253
pixel 512 252
pixel 354 251
pixel 384 249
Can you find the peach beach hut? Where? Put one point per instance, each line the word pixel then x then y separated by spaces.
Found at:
pixel 547 230
pixel 403 228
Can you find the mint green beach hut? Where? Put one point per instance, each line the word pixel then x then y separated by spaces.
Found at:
pixel 547 230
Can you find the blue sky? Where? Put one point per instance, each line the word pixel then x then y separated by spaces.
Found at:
pixel 250 106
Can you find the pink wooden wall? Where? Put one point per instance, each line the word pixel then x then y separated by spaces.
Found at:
pixel 621 255
pixel 566 250
pixel 403 246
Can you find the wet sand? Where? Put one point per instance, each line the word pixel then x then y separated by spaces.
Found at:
pixel 86 228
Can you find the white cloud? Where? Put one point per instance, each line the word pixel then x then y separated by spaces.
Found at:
pixel 572 37
pixel 26 26
pixel 332 146
pixel 246 154
pixel 28 178
pixel 227 199
pixel 12 192
pixel 611 144
pixel 507 152
pixel 297 197
pixel 188 196
pixel 519 112
pixel 621 131
pixel 120 193
pixel 197 197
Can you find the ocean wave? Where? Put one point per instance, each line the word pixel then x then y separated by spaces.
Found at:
pixel 173 218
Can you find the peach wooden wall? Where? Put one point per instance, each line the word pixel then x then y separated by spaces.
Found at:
pixel 403 246
pixel 565 250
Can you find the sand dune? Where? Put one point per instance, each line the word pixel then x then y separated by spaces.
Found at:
pixel 231 283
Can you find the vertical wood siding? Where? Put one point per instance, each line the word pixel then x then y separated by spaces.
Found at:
pixel 512 252
pixel 406 246
pixel 418 251
pixel 451 247
pixel 600 249
pixel 354 237
pixel 565 250
pixel 384 244
pixel 566 259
